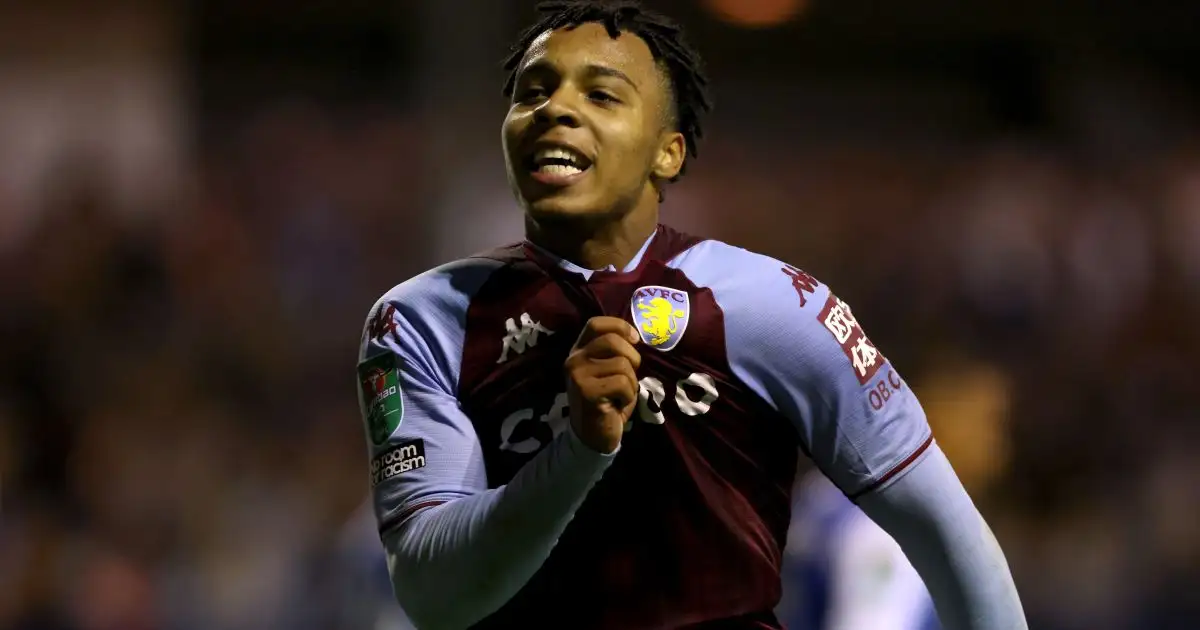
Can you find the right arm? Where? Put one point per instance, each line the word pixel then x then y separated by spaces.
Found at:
pixel 456 550
pixel 454 563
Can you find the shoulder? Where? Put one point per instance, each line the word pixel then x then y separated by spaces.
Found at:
pixel 423 319
pixel 441 293
pixel 751 286
pixel 788 335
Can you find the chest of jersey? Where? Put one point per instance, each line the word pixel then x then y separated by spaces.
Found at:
pixel 697 498
pixel 522 326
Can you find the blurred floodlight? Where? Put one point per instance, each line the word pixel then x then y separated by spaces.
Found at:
pixel 756 13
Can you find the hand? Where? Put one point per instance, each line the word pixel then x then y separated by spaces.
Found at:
pixel 602 384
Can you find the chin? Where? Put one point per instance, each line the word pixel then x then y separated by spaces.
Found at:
pixel 564 202
pixel 558 207
pixel 561 211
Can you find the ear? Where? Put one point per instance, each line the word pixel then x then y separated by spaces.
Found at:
pixel 672 151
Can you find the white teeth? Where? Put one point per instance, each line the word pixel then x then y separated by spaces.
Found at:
pixel 557 153
pixel 558 169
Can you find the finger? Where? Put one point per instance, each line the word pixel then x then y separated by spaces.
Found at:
pixel 603 368
pixel 615 390
pixel 627 410
pixel 612 345
pixel 603 325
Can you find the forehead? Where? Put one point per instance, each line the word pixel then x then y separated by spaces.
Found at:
pixel 589 44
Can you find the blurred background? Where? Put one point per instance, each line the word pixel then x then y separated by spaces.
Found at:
pixel 199 202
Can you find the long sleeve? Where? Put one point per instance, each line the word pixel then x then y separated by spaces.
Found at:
pixel 455 563
pixel 933 519
pixel 805 352
pixel 457 549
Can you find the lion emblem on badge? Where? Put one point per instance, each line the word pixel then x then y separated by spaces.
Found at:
pixel 661 315
pixel 662 320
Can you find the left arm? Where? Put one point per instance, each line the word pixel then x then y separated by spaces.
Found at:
pixel 930 515
pixel 804 352
pixel 866 430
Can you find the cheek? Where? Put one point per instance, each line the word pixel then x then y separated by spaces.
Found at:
pixel 510 130
pixel 627 149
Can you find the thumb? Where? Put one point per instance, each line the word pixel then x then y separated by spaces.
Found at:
pixel 627 411
pixel 611 412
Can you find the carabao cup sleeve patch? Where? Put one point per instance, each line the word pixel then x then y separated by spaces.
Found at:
pixel 383 409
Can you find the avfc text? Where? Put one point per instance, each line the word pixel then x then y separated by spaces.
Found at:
pixel 397 460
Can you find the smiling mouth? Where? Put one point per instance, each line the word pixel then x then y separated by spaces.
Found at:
pixel 557 162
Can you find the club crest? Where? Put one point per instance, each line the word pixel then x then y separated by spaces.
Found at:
pixel 661 315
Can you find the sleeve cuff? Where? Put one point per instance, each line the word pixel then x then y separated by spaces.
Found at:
pixel 582 452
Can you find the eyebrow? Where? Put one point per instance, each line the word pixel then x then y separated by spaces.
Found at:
pixel 591 70
pixel 597 70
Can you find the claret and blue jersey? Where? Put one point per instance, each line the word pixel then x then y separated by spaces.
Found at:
pixel 748 363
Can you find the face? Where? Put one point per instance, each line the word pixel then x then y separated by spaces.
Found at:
pixel 586 134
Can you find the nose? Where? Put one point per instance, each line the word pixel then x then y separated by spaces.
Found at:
pixel 557 111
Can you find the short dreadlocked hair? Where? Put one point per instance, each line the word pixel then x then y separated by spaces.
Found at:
pixel 685 70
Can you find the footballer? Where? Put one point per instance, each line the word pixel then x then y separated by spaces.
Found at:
pixel 599 427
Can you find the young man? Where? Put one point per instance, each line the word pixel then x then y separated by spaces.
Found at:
pixel 599 427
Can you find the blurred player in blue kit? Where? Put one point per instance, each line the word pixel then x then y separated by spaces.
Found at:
pixel 599 427
pixel 844 572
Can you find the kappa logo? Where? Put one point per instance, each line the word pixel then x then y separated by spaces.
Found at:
pixel 802 281
pixel 383 322
pixel 521 337
pixel 661 315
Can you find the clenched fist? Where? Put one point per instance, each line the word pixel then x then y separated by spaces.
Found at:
pixel 602 384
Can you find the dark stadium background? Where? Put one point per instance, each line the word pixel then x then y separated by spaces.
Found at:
pixel 198 204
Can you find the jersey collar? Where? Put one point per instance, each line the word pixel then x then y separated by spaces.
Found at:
pixel 567 265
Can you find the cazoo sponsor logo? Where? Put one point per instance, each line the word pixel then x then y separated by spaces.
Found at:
pixel 652 394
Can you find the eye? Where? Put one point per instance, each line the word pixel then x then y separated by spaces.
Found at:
pixel 602 96
pixel 529 94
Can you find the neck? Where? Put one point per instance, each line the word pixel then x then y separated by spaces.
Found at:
pixel 594 243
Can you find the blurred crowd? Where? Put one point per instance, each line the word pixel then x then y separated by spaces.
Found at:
pixel 180 435
pixel 180 446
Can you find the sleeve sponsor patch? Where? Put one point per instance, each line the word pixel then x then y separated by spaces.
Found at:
pixel 379 379
pixel 397 460
pixel 882 390
pixel 840 322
